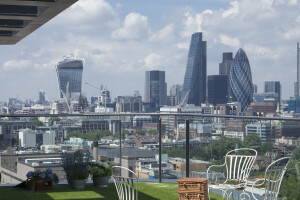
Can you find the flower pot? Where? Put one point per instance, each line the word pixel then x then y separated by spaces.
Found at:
pixel 100 181
pixel 78 184
pixel 38 185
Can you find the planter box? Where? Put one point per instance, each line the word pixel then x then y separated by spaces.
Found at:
pixel 38 185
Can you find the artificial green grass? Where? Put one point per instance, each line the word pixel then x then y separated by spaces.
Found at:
pixel 147 191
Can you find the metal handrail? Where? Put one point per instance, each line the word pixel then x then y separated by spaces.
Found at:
pixel 153 114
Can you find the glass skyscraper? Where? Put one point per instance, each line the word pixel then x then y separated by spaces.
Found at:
pixel 69 73
pixel 194 85
pixel 240 80
pixel 297 84
pixel 217 89
pixel 225 65
pixel 274 87
pixel 155 88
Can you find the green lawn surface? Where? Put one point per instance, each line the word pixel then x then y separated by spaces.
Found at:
pixel 147 191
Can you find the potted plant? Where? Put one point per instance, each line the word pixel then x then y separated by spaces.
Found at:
pixel 101 172
pixel 40 180
pixel 76 168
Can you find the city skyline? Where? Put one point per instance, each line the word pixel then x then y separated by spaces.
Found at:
pixel 120 41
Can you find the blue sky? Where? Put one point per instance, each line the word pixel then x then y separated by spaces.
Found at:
pixel 120 40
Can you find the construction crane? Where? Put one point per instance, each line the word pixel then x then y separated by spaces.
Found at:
pixel 98 100
pixel 93 86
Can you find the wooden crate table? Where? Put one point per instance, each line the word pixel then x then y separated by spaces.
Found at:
pixel 192 188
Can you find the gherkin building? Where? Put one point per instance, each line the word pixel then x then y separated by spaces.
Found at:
pixel 240 80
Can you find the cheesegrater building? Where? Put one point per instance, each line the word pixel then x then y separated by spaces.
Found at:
pixel 194 85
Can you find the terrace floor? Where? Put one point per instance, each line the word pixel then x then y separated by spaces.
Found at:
pixel 147 191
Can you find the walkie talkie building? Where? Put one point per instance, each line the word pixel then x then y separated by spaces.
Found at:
pixel 69 73
pixel 240 80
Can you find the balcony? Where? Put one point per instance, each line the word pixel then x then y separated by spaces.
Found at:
pixel 175 146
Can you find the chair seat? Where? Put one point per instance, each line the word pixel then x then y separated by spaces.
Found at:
pixel 226 187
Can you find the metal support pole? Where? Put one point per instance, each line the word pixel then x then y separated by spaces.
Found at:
pixel 120 138
pixel 187 148
pixel 160 158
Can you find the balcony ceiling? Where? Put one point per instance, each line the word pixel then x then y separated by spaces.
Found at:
pixel 19 18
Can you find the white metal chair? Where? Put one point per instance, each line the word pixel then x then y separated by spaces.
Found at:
pixel 270 185
pixel 238 164
pixel 126 185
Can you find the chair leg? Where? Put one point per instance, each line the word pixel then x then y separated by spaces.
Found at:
pixel 244 195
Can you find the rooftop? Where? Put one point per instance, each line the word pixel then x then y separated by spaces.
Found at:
pixel 20 18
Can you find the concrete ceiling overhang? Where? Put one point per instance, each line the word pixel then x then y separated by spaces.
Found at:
pixel 19 18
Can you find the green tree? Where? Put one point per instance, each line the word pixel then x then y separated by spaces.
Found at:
pixel 252 140
pixel 140 132
pixel 153 132
pixel 266 147
pixel 36 121
pixel 75 134
pixel 296 154
pixel 222 146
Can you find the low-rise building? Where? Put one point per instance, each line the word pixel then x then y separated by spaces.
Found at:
pixel 263 130
pixel 77 143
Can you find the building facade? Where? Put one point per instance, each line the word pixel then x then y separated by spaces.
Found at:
pixel 69 73
pixel 194 86
pixel 240 79
pixel 155 88
pixel 225 65
pixel 217 89
pixel 176 93
pixel 263 130
pixel 297 84
pixel 274 87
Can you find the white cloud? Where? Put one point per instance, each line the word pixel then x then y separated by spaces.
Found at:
pixel 153 61
pixel 193 22
pixel 293 2
pixel 232 42
pixel 163 35
pixel 233 11
pixel 16 65
pixel 135 26
pixel 88 14
pixel 183 45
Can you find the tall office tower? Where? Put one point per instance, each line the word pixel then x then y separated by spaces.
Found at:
pixel 155 87
pixel 42 98
pixel 254 89
pixel 297 84
pixel 194 85
pixel 274 87
pixel 240 80
pixel 217 89
pixel 225 65
pixel 69 73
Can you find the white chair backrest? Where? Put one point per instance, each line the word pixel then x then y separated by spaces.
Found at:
pixel 273 177
pixel 127 185
pixel 238 164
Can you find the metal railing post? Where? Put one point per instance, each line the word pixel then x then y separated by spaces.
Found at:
pixel 160 158
pixel 187 148
pixel 120 137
